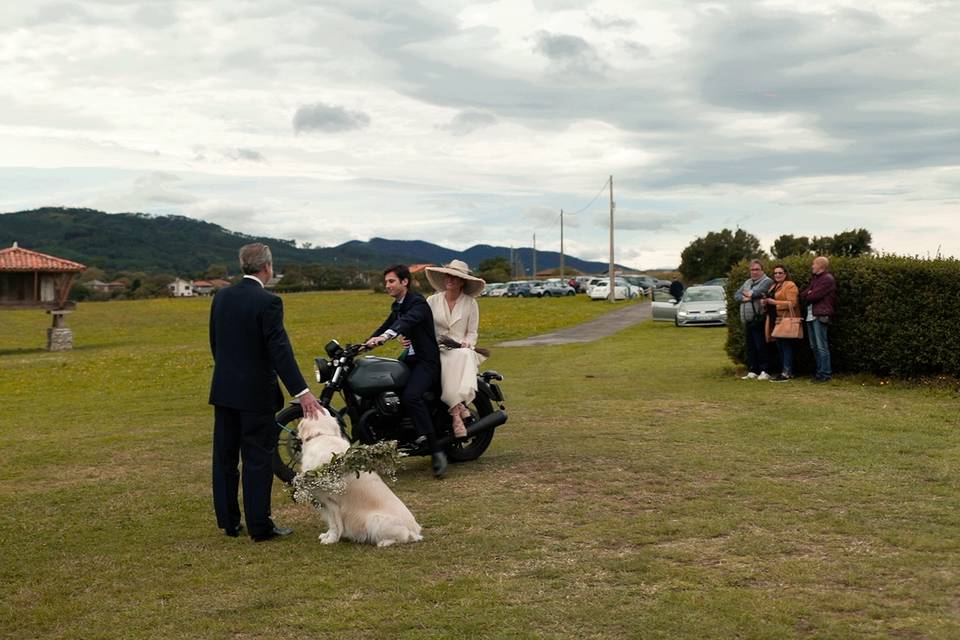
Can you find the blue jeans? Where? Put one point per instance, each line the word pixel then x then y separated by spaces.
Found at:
pixel 756 348
pixel 817 333
pixel 785 345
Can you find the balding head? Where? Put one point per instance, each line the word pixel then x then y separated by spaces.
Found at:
pixel 820 264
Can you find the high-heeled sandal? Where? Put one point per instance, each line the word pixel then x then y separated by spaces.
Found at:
pixel 459 430
pixel 464 412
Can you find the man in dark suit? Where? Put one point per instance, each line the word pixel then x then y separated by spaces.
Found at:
pixel 410 316
pixel 250 348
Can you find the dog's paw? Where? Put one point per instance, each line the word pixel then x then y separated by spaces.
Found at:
pixel 386 543
pixel 329 538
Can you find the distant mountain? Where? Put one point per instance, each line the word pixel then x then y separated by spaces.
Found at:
pixel 181 245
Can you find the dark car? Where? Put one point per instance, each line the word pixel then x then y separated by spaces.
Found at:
pixel 518 290
pixel 715 282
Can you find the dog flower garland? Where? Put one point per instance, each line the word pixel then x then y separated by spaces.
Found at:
pixel 381 458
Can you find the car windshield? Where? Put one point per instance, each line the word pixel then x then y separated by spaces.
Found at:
pixel 695 294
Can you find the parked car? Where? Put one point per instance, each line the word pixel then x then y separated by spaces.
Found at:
pixel 716 282
pixel 494 289
pixel 536 288
pixel 519 289
pixel 622 290
pixel 591 283
pixel 700 306
pixel 581 281
pixel 643 282
pixel 557 288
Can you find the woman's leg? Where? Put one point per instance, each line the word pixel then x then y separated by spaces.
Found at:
pixel 786 356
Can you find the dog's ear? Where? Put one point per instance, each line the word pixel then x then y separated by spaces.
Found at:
pixel 307 428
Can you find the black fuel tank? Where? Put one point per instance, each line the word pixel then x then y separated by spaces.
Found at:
pixel 373 375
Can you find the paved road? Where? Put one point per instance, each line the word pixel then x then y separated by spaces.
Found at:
pixel 601 327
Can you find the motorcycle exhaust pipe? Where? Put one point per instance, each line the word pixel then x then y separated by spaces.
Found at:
pixel 486 423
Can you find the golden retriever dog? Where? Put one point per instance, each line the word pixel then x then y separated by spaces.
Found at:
pixel 367 511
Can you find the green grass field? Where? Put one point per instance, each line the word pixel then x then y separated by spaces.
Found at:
pixel 639 490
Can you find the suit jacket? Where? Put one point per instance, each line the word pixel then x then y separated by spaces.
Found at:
pixel 250 348
pixel 413 319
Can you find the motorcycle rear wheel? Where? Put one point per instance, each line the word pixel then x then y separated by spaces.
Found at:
pixel 473 448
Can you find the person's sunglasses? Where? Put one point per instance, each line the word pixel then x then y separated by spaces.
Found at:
pixel 779 273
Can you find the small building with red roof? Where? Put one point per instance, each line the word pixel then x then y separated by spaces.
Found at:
pixel 30 279
pixel 33 279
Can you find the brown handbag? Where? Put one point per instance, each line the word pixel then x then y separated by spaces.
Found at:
pixel 788 327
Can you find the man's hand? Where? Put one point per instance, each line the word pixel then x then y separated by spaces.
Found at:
pixel 375 341
pixel 747 294
pixel 311 406
pixel 405 341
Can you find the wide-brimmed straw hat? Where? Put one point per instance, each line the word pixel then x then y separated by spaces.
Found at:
pixel 472 285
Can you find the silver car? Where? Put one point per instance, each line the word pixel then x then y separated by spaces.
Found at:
pixel 700 306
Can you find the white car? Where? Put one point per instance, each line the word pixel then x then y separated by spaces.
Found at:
pixel 592 282
pixel 622 290
pixel 495 289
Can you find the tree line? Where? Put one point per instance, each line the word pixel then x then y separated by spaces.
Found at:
pixel 713 255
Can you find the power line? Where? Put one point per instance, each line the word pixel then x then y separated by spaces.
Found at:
pixel 605 183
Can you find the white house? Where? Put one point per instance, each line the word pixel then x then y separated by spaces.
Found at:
pixel 180 288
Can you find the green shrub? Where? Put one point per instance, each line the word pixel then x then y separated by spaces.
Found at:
pixel 895 315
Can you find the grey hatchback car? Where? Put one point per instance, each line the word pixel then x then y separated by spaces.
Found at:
pixel 700 306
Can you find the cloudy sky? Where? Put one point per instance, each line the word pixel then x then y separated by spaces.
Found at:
pixel 477 122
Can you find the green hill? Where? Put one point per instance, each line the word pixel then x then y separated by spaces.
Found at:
pixel 180 245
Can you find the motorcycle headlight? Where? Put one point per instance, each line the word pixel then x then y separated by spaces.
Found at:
pixel 322 369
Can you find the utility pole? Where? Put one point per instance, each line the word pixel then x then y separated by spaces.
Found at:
pixel 561 246
pixel 613 279
pixel 534 274
pixel 513 265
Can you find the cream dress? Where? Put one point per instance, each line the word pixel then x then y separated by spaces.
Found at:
pixel 458 367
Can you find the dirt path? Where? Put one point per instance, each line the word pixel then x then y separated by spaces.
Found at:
pixel 601 327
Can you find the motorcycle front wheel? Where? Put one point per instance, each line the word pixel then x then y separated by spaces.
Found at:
pixel 472 448
pixel 289 451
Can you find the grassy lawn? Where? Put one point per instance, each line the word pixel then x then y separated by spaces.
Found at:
pixel 639 490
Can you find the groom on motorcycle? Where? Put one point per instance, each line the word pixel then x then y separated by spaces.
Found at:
pixel 410 316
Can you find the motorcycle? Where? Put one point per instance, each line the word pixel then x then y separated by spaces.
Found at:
pixel 370 389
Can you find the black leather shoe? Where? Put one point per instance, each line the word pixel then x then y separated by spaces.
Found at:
pixel 276 532
pixel 234 532
pixel 439 464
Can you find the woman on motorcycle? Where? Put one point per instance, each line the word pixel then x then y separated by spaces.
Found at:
pixel 457 316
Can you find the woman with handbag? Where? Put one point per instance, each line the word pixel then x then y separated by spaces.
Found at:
pixel 784 324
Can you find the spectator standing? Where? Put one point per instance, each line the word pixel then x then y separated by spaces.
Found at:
pixel 676 288
pixel 820 296
pixel 749 295
pixel 783 301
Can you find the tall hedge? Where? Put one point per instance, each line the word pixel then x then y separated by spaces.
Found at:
pixel 895 316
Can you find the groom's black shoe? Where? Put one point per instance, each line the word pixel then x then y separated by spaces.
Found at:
pixel 439 464
pixel 234 532
pixel 276 532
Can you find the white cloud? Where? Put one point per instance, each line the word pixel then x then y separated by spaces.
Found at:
pixel 479 121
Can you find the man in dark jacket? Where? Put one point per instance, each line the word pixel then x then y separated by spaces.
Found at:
pixel 676 288
pixel 250 348
pixel 411 317
pixel 820 296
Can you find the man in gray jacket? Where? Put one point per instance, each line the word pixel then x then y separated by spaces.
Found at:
pixel 751 317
